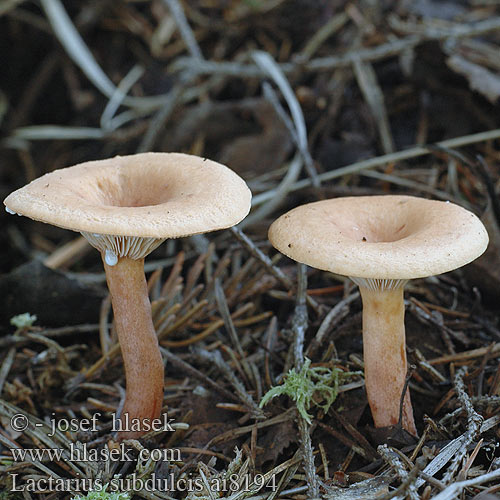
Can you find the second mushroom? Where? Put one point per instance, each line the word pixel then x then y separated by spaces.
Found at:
pixel 381 242
pixel 126 207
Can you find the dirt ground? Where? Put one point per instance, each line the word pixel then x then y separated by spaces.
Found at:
pixel 306 100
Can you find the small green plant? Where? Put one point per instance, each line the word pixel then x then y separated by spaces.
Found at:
pixel 24 320
pixel 254 4
pixel 8 495
pixel 103 495
pixel 308 382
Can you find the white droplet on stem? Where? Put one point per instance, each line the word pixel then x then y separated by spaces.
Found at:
pixel 110 258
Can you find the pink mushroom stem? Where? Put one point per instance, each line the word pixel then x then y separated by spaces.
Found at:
pixel 385 356
pixel 139 344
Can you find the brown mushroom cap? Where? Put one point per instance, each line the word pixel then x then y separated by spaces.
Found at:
pixel 154 195
pixel 380 237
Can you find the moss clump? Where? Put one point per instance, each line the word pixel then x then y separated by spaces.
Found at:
pixel 103 495
pixel 308 386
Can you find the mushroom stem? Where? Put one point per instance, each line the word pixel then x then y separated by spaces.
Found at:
pixel 139 345
pixel 385 356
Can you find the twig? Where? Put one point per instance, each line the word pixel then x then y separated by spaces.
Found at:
pixel 190 370
pixel 67 253
pixel 240 431
pixel 281 192
pixel 356 435
pixel 266 261
pixel 269 65
pixel 301 143
pixel 466 355
pixel 53 332
pixel 226 316
pixel 262 258
pixel 337 314
pixel 320 64
pixel 325 32
pixel 76 48
pixel 299 327
pixel 158 121
pixel 474 421
pixel 300 320
pixel 308 457
pixel 413 306
pixel 368 83
pixel 119 95
pixel 184 28
pixel 484 171
pixel 486 401
pixel 414 185
pixel 382 51
pixel 444 31
pixel 425 366
pixel 410 489
pixel 384 160
pixel 272 97
pixel 350 443
pixel 216 358
pixel 449 451
pixel 43 132
pixel 6 366
pixel 454 489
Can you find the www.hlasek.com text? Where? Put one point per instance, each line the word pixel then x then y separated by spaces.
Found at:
pixel 82 453
pixel 231 483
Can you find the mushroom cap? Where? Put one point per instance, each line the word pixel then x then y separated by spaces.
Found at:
pixel 380 237
pixel 156 195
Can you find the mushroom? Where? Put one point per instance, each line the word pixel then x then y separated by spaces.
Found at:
pixel 126 207
pixel 381 242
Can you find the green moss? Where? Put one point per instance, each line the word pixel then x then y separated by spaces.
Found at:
pixel 309 385
pixel 103 495
pixel 8 495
